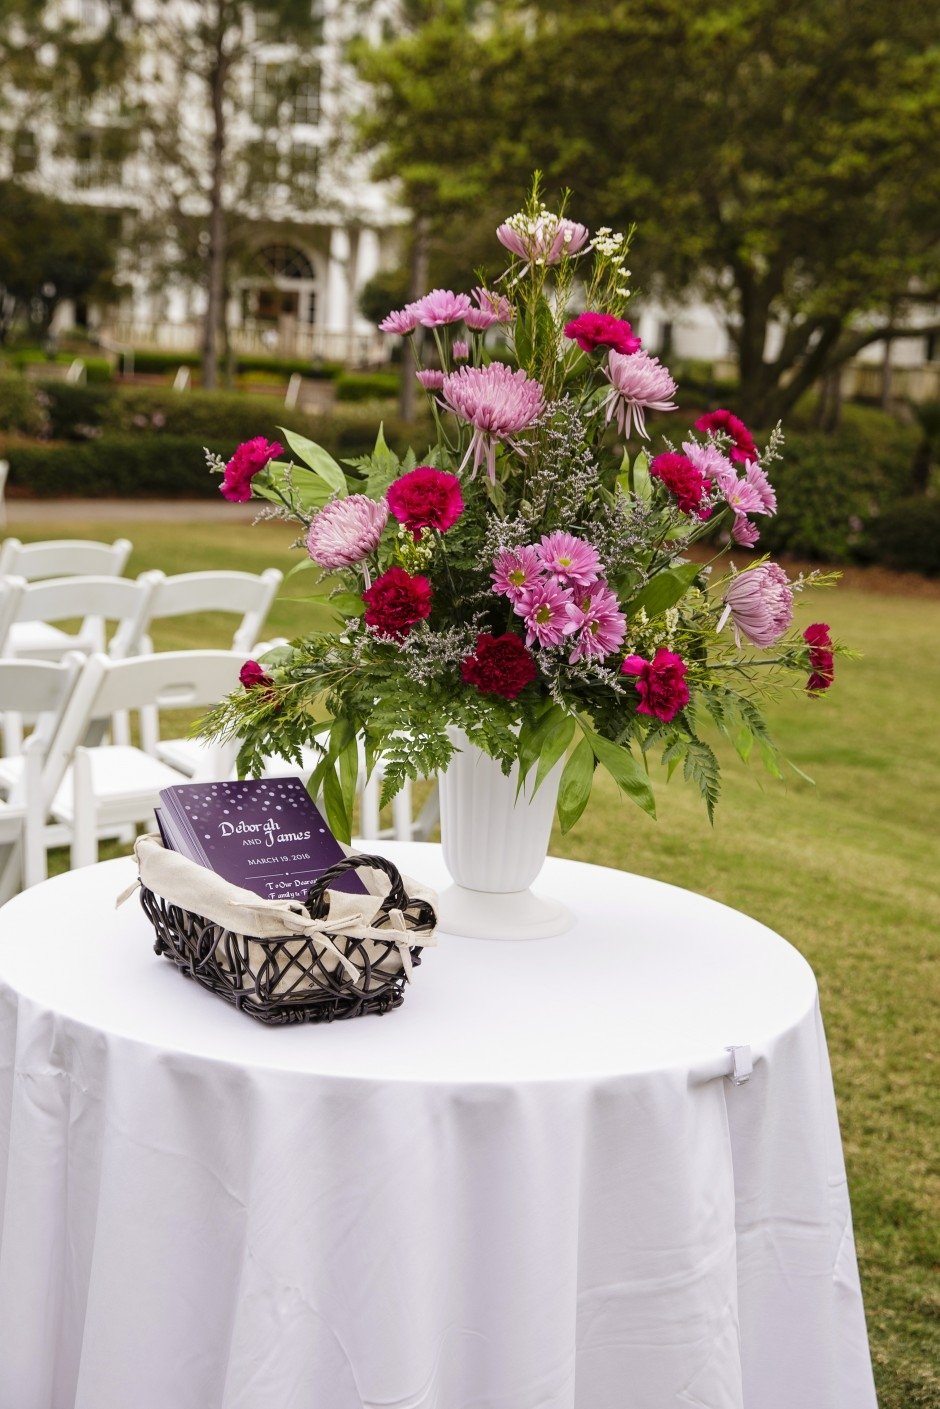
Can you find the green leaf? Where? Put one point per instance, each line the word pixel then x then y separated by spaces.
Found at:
pixel 532 736
pixel 349 776
pixel 319 460
pixel 304 566
pixel 642 484
pixel 347 604
pixel 552 750
pixel 664 590
pixel 626 772
pixel 576 782
pixel 335 806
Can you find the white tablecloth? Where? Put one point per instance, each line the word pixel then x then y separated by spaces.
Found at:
pixel 528 1188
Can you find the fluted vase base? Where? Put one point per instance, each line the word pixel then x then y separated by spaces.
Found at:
pixel 514 914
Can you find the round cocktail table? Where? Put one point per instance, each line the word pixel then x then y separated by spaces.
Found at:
pixel 545 1182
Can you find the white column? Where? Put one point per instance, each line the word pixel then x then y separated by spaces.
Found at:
pixel 367 265
pixel 335 314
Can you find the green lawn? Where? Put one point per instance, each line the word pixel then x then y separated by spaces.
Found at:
pixel 847 870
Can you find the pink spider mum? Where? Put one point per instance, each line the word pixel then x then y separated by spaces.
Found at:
pixel 543 238
pixel 346 530
pixel 442 306
pixel 544 609
pixel 638 383
pixel 460 350
pixel 760 604
pixel 515 571
pixel 491 308
pixel 596 622
pixel 570 559
pixel 497 402
pixel 402 321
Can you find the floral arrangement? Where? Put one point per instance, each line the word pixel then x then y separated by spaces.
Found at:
pixel 530 581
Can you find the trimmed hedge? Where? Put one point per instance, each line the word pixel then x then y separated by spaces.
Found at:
pixel 165 362
pixel 21 409
pixel 171 466
pixel 907 536
pixel 367 386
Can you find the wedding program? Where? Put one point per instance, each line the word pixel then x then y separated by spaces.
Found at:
pixel 264 834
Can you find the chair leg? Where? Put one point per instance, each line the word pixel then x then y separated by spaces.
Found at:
pixel 402 813
pixel 84 820
pixel 10 870
pixel 121 727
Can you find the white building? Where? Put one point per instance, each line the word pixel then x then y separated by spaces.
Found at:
pixel 310 224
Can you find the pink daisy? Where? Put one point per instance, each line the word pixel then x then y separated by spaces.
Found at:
pixel 515 571
pixel 596 621
pixel 639 383
pixel 497 402
pixel 442 306
pixel 757 479
pixel 431 379
pixel 570 559
pixel 744 532
pixel 709 460
pixel 402 321
pixel 544 609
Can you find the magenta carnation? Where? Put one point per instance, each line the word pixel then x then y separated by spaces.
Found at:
pixel 249 459
pixel 426 498
pixel 500 665
pixel 515 570
pixel 543 238
pixel 497 402
pixel 252 675
pixel 760 604
pixel 821 658
pixel 402 321
pixel 596 622
pixel 593 330
pixel 346 530
pixel 441 306
pixel 395 601
pixel 638 383
pixel 570 559
pixel 724 423
pixel 686 483
pixel 544 609
pixel 660 683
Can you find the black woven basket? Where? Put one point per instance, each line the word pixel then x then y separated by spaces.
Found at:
pixel 287 980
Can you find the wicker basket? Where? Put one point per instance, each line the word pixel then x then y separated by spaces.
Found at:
pixel 293 980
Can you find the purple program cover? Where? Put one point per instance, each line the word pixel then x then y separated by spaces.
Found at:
pixel 264 834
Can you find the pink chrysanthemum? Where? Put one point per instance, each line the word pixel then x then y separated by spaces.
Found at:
pixel 544 609
pixel 760 604
pixel 709 460
pixel 431 379
pixel 515 571
pixel 744 532
pixel 495 306
pixel 574 562
pixel 757 479
pixel 543 238
pixel 346 530
pixel 497 402
pixel 441 306
pixel 402 321
pixel 460 350
pixel 638 383
pixel 596 622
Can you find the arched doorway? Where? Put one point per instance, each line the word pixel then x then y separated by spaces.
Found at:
pixel 278 296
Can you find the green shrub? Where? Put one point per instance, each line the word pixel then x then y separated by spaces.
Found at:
pixel 98 370
pixel 367 386
pixel 169 466
pixel 74 409
pixel 906 536
pixel 21 407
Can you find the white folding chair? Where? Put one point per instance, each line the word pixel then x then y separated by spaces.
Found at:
pixel 103 788
pixel 97 601
pixel 247 594
pixel 4 471
pixel 40 689
pixel 63 557
pixel 11 589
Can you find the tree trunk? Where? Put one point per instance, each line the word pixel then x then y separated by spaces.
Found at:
pixel 215 300
pixel 417 287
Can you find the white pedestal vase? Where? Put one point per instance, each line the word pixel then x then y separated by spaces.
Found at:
pixel 495 845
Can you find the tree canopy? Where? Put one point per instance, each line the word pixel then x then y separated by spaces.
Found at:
pixel 780 160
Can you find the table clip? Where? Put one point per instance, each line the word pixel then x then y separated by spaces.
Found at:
pixel 741 1065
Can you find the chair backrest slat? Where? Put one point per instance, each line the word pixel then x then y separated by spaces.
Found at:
pixel 244 592
pixel 39 689
pixel 115 599
pixel 63 557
